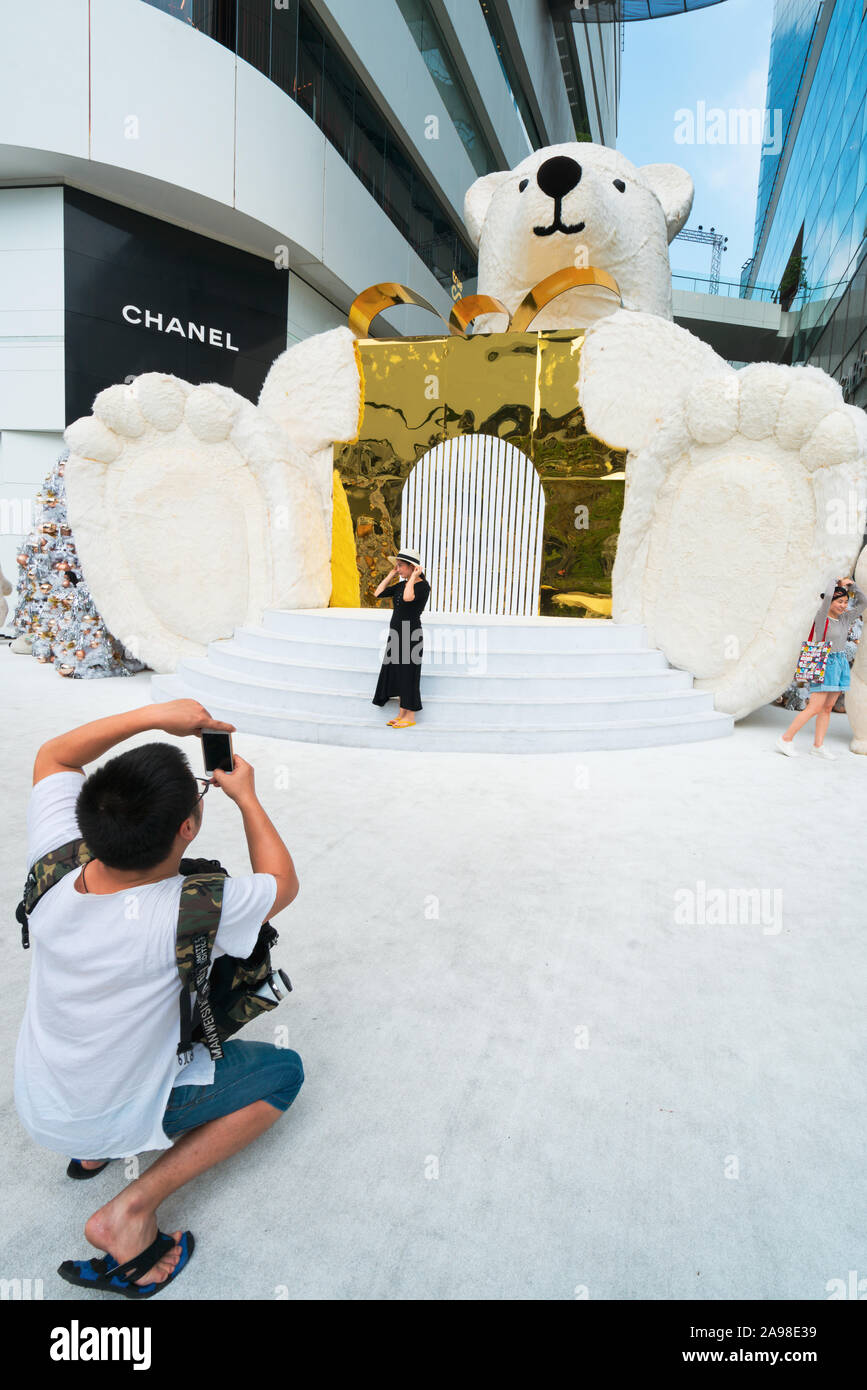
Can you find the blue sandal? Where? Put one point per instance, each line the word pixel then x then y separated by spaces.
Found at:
pixel 108 1276
pixel 75 1169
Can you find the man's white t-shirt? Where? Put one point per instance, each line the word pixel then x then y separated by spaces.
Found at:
pixel 97 1052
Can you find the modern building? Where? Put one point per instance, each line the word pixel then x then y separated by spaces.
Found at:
pixel 811 220
pixel 189 185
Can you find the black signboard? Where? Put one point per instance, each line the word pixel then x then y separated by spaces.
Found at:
pixel 142 295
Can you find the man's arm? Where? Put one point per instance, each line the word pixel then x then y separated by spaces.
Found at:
pixel 268 854
pixel 71 752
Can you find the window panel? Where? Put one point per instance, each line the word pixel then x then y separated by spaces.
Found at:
pixel 311 58
pixel 216 18
pixel 284 47
pixel 851 114
pixel 413 13
pixel 423 221
pixel 338 101
pixel 432 45
pixel 288 46
pixel 254 33
pixel 860 222
pixel 398 186
pixel 846 175
pixel 368 151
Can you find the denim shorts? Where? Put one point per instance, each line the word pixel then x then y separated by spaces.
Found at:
pixel 836 674
pixel 247 1071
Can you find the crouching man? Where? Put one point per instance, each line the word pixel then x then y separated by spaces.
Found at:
pixel 96 1067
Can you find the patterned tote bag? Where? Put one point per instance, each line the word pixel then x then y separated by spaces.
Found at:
pixel 813 659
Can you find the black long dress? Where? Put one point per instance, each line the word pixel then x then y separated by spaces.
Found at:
pixel 400 674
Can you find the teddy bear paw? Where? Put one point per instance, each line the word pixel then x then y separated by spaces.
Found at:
pixel 739 510
pixel 191 513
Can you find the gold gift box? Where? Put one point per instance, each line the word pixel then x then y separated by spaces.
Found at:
pixel 518 386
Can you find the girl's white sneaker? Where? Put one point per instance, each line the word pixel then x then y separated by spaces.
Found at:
pixel 823 753
pixel 787 747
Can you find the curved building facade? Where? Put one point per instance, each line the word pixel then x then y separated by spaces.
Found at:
pixel 189 185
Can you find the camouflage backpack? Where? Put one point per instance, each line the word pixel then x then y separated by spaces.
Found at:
pixel 227 998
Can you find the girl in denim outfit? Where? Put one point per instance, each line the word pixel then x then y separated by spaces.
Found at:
pixel 824 694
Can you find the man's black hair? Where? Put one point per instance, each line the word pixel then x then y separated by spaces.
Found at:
pixel 130 810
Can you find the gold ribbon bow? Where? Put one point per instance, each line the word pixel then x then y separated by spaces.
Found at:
pixel 389 294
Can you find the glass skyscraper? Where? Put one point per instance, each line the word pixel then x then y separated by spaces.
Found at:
pixel 811 223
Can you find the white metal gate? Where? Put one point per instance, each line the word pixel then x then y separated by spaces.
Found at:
pixel 474 509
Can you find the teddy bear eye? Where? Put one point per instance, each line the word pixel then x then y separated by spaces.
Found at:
pixel 522 185
pixel 620 185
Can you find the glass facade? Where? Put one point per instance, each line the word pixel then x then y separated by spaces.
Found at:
pixel 621 11
pixel 441 65
pixel 660 9
pixel 820 212
pixel 589 39
pixel 564 34
pixel 794 23
pixel 839 346
pixel 290 48
pixel 535 140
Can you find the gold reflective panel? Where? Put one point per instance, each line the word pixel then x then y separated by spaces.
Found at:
pixel 521 387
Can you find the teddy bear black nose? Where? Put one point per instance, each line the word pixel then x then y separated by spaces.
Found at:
pixel 558 176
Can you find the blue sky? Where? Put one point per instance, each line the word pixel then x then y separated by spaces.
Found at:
pixel 718 56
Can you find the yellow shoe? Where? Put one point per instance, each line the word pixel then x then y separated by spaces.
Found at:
pixel 403 724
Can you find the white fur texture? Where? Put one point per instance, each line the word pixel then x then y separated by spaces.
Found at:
pixel 313 392
pixel 635 371
pixel 192 513
pixel 728 540
pixel 626 233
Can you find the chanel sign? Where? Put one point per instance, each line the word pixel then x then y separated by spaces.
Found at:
pixel 145 296
pixel 195 332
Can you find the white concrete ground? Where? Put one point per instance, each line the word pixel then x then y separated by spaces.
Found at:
pixel 527 1075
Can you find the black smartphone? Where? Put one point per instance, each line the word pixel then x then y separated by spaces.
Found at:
pixel 217 750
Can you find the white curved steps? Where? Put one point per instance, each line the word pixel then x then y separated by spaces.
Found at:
pixel 489 684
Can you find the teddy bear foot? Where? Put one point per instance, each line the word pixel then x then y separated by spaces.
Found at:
pixel 739 511
pixel 192 512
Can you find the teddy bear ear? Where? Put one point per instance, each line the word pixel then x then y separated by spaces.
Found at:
pixel 675 190
pixel 478 200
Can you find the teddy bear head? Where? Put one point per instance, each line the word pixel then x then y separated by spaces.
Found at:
pixel 578 205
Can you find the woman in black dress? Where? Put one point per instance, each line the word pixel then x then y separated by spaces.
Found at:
pixel 400 674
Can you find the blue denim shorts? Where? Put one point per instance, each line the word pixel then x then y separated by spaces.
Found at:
pixel 837 675
pixel 247 1071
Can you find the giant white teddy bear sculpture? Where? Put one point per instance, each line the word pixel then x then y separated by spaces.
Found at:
pixel 745 489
